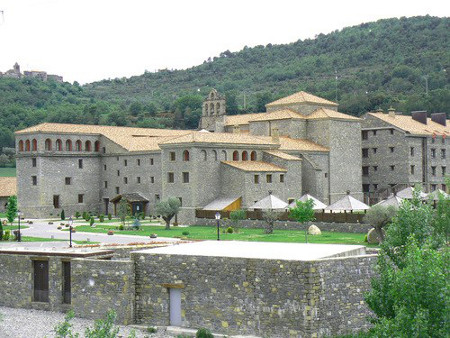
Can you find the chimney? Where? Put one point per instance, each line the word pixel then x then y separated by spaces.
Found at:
pixel 275 135
pixel 419 116
pixel 391 112
pixel 439 118
pixel 236 129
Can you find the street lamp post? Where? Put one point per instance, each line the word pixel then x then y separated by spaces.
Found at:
pixel 70 231
pixel 19 239
pixel 218 225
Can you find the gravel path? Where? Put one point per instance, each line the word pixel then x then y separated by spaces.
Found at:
pixel 21 323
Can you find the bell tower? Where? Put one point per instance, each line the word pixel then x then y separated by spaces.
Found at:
pixel 213 112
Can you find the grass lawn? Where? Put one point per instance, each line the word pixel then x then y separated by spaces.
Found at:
pixel 203 232
pixel 7 172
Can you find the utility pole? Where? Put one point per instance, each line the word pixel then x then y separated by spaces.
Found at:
pixel 336 77
pixel 425 77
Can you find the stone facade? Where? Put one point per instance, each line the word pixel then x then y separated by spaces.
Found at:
pixel 398 151
pixel 41 75
pixel 82 168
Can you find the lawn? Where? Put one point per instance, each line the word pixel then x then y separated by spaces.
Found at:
pixel 7 172
pixel 203 232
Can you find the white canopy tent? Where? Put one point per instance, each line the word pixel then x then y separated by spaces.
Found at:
pixel 318 205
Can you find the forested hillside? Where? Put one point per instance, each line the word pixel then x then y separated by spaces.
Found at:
pixel 377 65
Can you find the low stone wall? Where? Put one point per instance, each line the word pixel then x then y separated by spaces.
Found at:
pixel 99 286
pixel 291 225
pixel 270 298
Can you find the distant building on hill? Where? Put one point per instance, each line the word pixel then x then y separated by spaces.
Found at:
pixel 16 74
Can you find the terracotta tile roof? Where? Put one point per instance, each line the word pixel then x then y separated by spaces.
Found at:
pixel 233 120
pixel 282 155
pixel 228 138
pixel 301 97
pixel 282 114
pixel 8 186
pixel 254 166
pixel 407 124
pixel 323 113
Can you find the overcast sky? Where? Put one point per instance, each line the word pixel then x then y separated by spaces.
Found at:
pixel 90 40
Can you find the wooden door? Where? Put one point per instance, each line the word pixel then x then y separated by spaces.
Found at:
pixel 40 281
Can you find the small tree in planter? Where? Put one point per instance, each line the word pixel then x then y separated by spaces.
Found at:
pixel 101 218
pixel 303 213
pixel 168 209
pixel 77 215
pixel 92 221
pixel 63 215
pixel 11 212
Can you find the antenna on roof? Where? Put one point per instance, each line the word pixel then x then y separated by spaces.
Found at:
pixel 2 16
pixel 336 77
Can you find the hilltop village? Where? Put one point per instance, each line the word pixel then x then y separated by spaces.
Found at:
pixel 15 73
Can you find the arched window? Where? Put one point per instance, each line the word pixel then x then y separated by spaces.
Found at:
pixel 253 156
pixel 34 145
pixel 20 145
pixel 215 155
pixel 244 156
pixel 224 155
pixel 78 145
pixel 88 146
pixel 217 108
pixel 69 145
pixel 48 144
pixel 27 145
pixel 97 146
pixel 204 155
pixel 59 145
pixel 185 155
pixel 211 109
pixel 235 155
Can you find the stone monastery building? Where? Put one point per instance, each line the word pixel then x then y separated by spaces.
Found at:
pixel 301 144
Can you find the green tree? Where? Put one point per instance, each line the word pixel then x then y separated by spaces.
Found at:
pixel 269 217
pixel 168 209
pixel 379 217
pixel 63 215
pixel 11 211
pixel 303 212
pixel 124 210
pixel 236 216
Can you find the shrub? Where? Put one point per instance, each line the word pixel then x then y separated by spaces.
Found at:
pixel 152 329
pixel 63 215
pixel 7 235
pixel 142 215
pixel 91 221
pixel 185 233
pixel 229 230
pixel 101 218
pixel 1 231
pixel 110 232
pixel 109 216
pixel 136 224
pixel 204 333
pixel 121 227
pixel 85 216
pixel 365 238
pixel 77 215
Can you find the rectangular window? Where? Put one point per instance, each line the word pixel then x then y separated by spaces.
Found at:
pixel 256 179
pixel 392 167
pixel 66 285
pixel 374 133
pixel 185 177
pixel 181 201
pixel 157 198
pixel 412 169
pixel 151 161
pixel 117 158
pixel 391 131
pixel 365 134
pixel 444 169
pixel 433 171
pixel 68 180
pixel 138 180
pixel 443 153
pixel 40 274
pixel 375 168
pixel 365 152
pixel 125 163
pixel 374 150
pixel 104 150
pixel 125 180
pixel 138 161
pixel 117 190
pixel 269 178
pixel 80 163
pixel 411 151
pixel 106 184
pixel 170 177
pixel 56 201
pixel 34 180
pixel 375 187
pixel 433 153
pixel 80 198
pixel 118 172
pixel 33 162
pixel 391 149
pixel 365 171
pixel 152 179
pixel 104 167
pixel 281 178
pixel 433 187
pixel 172 156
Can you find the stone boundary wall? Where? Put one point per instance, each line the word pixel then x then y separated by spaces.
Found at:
pixel 102 285
pixel 270 298
pixel 291 225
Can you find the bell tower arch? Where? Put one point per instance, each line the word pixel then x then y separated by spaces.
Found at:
pixel 213 112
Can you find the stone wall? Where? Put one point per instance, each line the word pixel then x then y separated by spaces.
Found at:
pixel 255 296
pixel 99 286
pixel 291 225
